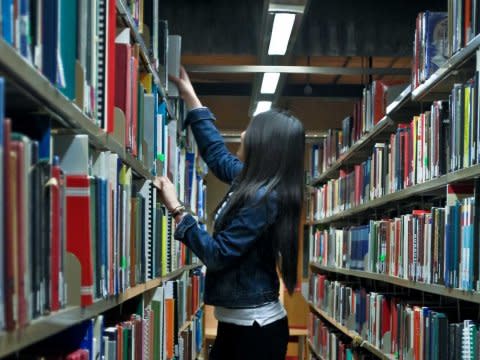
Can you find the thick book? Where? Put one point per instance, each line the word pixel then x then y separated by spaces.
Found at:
pixel 78 231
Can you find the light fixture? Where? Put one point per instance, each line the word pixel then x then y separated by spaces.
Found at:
pixel 262 106
pixel 281 31
pixel 269 83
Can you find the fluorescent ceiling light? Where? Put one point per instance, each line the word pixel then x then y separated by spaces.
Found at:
pixel 262 106
pixel 269 83
pixel 281 30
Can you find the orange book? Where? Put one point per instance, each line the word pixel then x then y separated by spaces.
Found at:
pixel 119 342
pixel 416 333
pixel 169 326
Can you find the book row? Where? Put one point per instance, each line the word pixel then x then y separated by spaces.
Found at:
pixel 435 246
pixel 397 327
pixel 169 326
pixel 329 343
pixel 366 114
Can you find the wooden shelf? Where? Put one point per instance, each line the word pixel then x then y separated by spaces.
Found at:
pixel 314 351
pixel 189 322
pixel 429 288
pixel 351 334
pixel 416 190
pixel 439 85
pixel 46 326
pixel 39 90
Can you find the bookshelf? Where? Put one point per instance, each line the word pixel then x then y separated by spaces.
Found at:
pixel 28 91
pixel 356 338
pixel 372 211
pixel 404 283
pixel 427 187
pixel 46 326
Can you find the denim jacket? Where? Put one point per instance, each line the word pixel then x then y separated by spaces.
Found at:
pixel 241 270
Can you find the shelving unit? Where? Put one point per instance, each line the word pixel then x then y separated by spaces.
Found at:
pixel 29 91
pixel 46 326
pixel 356 338
pixel 459 68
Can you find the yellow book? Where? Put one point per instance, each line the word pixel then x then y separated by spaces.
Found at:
pixel 466 127
pixel 147 81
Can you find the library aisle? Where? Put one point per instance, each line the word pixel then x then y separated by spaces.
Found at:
pixel 388 260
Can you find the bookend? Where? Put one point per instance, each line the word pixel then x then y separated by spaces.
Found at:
pixel 120 123
pixel 387 343
pixel 73 273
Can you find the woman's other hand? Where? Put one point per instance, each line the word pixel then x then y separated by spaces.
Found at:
pixel 186 90
pixel 168 194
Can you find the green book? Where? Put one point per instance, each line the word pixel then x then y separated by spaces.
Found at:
pixel 67 47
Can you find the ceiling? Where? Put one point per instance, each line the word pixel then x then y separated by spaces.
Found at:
pixel 336 34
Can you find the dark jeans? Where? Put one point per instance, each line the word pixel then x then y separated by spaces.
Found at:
pixel 235 342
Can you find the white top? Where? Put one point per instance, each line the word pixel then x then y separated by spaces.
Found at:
pixel 263 314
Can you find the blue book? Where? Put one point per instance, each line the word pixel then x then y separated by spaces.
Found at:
pixel 7 21
pixel 436 41
pixel 50 39
pixel 2 252
pixel 24 29
pixel 87 339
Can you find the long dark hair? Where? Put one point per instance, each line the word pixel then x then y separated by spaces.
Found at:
pixel 274 147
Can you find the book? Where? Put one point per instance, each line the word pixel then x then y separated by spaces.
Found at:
pixel 173 65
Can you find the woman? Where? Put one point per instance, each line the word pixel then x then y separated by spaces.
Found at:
pixel 256 228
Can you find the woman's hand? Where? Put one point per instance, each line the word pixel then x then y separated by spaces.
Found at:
pixel 168 194
pixel 186 90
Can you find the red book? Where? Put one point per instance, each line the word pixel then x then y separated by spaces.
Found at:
pixel 56 233
pixel 10 221
pixel 386 318
pixel 79 241
pixel 111 24
pixel 134 146
pixel 123 85
pixel 80 354
pixel 379 100
pixel 468 22
pixel 19 175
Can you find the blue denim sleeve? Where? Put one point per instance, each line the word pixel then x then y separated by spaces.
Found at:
pixel 228 245
pixel 221 162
